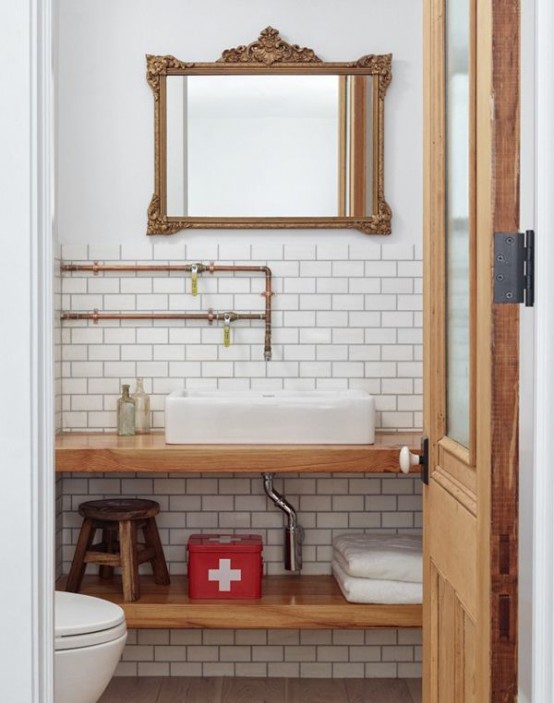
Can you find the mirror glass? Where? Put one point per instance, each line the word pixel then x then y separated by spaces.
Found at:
pixel 270 145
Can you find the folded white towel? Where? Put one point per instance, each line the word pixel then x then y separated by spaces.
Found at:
pixel 358 590
pixel 383 557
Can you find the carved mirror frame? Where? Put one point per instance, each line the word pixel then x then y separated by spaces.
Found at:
pixel 269 55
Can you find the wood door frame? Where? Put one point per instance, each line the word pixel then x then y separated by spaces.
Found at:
pixel 497 124
pixel 504 456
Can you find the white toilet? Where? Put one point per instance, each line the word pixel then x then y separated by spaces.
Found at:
pixel 90 636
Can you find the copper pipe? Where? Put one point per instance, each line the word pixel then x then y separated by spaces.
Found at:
pixel 211 267
pixel 96 268
pixel 201 268
pixel 210 316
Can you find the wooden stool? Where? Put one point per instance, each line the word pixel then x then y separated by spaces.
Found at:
pixel 119 519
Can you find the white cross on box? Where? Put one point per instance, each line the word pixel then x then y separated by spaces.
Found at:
pixel 224 575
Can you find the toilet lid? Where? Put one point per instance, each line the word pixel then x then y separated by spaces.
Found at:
pixel 76 614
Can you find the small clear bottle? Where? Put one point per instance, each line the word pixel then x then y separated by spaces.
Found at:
pixel 142 408
pixel 125 413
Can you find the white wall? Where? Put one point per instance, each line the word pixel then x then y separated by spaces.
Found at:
pixel 106 107
pixel 543 528
pixel 18 623
pixel 26 429
pixel 527 395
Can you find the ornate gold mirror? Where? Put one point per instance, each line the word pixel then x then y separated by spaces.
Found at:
pixel 269 136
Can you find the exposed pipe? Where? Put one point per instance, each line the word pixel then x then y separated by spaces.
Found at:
pixel 201 268
pixel 211 268
pixel 294 533
pixel 210 316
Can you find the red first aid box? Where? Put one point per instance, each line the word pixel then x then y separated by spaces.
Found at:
pixel 225 566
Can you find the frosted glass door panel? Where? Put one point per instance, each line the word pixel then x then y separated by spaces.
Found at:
pixel 458 220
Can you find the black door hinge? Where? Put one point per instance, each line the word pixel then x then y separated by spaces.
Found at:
pixel 424 460
pixel 514 267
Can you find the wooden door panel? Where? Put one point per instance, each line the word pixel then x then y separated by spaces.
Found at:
pixel 470 504
pixel 446 643
pixel 452 644
pixel 454 458
pixel 454 525
pixel 467 660
pixel 456 489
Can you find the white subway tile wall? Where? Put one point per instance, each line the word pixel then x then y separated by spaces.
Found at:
pixel 281 653
pixel 344 317
pixel 327 505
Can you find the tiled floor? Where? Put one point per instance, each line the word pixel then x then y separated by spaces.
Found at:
pixel 258 690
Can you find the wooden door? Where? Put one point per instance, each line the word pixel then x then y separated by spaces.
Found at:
pixel 471 154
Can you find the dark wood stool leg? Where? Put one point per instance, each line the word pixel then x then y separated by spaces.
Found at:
pixel 152 539
pixel 109 542
pixel 129 561
pixel 78 565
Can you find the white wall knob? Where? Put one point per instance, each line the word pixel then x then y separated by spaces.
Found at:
pixel 407 460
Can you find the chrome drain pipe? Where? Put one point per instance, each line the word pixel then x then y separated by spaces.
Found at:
pixel 294 533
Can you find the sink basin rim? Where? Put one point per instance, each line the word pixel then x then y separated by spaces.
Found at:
pixel 276 417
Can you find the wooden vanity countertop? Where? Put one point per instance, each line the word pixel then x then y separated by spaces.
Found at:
pixel 103 452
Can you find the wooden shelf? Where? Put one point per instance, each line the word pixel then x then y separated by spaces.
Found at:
pixel 307 602
pixel 106 452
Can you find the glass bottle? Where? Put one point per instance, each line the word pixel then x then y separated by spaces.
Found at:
pixel 125 413
pixel 142 408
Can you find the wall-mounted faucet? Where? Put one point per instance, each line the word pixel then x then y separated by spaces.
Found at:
pixel 294 533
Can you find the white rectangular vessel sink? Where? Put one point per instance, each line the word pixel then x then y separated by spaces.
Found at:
pixel 281 417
